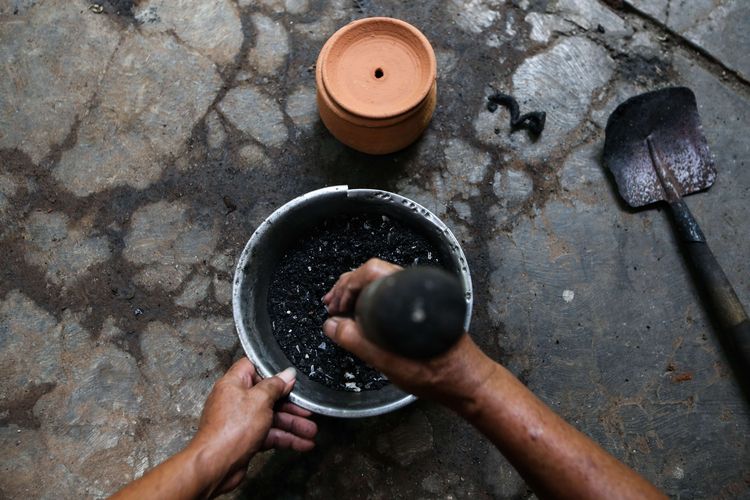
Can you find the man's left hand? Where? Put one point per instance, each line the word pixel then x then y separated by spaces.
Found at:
pixel 239 419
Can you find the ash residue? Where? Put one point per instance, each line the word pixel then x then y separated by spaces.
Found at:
pixel 309 269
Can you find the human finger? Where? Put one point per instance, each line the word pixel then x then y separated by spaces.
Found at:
pixel 242 371
pixel 293 409
pixel 346 290
pixel 347 333
pixel 276 387
pixel 344 300
pixel 283 440
pixel 339 290
pixel 368 272
pixel 299 426
pixel 375 269
pixel 332 292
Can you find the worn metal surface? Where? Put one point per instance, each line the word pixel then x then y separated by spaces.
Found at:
pixel 260 257
pixel 142 146
pixel 655 147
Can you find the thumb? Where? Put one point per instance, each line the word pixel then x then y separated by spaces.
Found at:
pixel 278 386
pixel 348 334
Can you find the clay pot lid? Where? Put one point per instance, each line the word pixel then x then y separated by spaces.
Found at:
pixel 378 67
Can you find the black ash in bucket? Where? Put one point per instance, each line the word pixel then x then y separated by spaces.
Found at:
pixel 310 268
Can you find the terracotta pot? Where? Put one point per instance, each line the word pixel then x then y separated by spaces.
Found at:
pixel 376 80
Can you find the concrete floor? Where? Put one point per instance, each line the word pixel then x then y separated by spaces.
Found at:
pixel 141 146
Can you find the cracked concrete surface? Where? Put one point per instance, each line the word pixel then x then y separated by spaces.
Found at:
pixel 140 147
pixel 718 27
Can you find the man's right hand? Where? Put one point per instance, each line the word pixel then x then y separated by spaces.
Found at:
pixel 453 378
pixel 554 458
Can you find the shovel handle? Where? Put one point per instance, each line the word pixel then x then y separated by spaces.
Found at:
pixel 731 316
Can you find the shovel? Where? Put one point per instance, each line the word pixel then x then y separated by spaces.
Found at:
pixel 656 150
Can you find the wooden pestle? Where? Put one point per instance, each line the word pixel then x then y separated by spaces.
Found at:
pixel 417 313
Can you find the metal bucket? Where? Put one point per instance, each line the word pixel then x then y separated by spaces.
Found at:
pixel 260 257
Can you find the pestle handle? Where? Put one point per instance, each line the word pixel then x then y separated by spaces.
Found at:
pixel 417 313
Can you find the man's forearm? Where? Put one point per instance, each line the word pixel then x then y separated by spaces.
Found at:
pixel 188 474
pixel 555 459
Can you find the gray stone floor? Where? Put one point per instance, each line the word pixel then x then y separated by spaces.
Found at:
pixel 140 147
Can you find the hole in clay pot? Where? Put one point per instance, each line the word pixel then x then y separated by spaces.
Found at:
pixel 378 73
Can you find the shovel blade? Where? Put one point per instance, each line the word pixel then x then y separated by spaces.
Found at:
pixel 669 118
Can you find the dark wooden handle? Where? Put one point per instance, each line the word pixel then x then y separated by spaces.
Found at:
pixel 714 284
pixel 740 336
pixel 730 314
pixel 418 312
